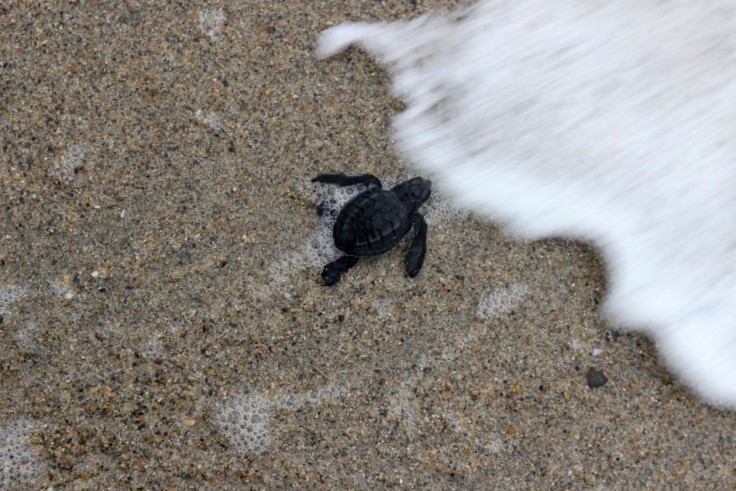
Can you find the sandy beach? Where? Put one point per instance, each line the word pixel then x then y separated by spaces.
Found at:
pixel 163 323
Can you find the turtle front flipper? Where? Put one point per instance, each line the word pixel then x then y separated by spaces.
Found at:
pixel 333 271
pixel 418 246
pixel 368 180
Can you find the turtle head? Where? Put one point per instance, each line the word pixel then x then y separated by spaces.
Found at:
pixel 414 192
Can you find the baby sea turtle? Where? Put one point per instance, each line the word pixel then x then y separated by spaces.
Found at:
pixel 376 220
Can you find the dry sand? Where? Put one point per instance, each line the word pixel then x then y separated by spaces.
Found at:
pixel 163 327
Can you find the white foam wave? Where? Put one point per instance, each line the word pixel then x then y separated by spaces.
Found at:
pixel 610 121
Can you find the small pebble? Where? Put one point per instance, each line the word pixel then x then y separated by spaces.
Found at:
pixel 595 378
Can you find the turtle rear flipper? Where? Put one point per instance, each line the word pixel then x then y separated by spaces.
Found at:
pixel 333 271
pixel 418 246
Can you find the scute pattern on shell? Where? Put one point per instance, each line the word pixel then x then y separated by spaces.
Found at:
pixel 371 224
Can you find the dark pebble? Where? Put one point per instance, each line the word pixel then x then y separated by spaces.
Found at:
pixel 595 378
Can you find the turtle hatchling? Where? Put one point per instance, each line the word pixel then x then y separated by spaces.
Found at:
pixel 376 220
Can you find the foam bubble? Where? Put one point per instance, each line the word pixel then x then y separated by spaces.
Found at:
pixel 244 421
pixel 210 22
pixel 71 160
pixel 209 119
pixel 61 288
pixel 27 338
pixel 441 208
pixel 9 296
pixel 499 301
pixel 20 463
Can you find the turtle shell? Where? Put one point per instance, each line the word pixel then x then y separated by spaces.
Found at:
pixel 371 223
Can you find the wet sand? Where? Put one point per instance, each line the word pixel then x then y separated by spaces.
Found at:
pixel 164 326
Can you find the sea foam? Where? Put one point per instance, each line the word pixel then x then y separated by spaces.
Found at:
pixel 608 121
